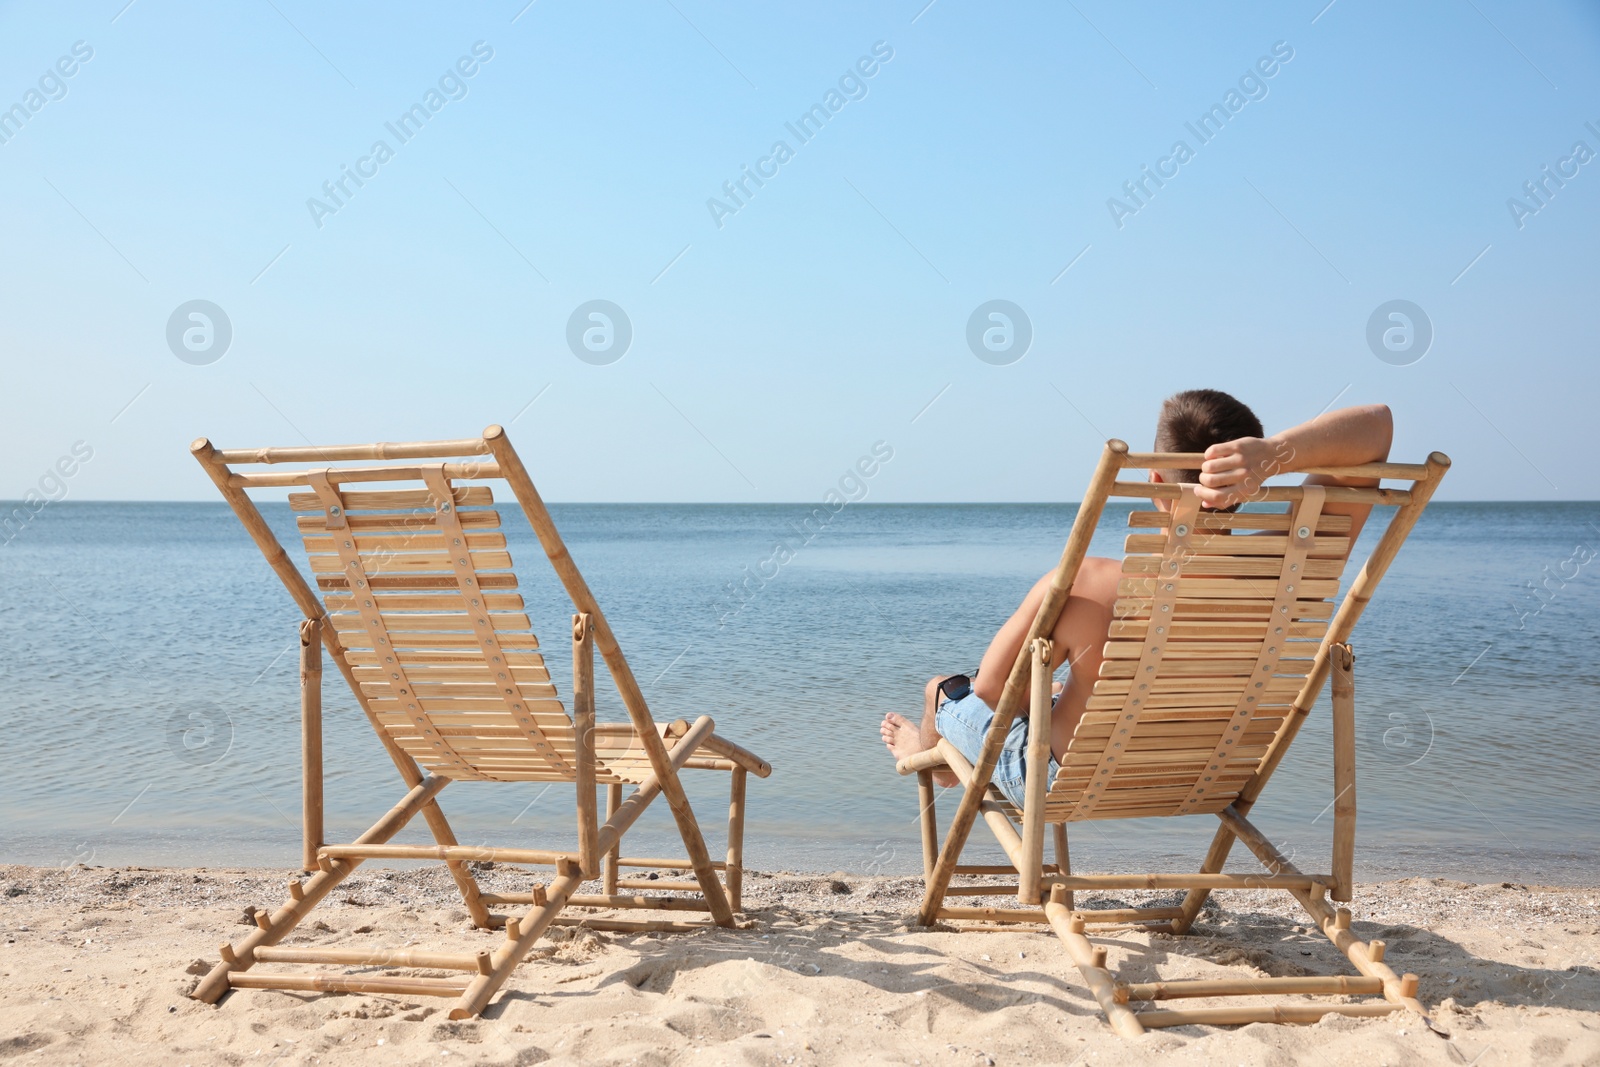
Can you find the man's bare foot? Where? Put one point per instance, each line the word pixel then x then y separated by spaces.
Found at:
pixel 903 738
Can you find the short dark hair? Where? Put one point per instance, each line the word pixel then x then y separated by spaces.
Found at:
pixel 1196 419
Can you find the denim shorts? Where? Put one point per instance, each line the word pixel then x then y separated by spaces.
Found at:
pixel 965 723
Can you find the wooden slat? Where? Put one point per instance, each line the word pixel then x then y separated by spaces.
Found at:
pixel 1163 760
pixel 357 639
pixel 441 707
pixel 1181 629
pixel 379 564
pixel 441 601
pixel 441 657
pixel 1192 668
pixel 422 519
pixel 1176 649
pixel 522 675
pixel 395 499
pixel 1234 566
pixel 419 621
pixel 417 581
pixel 1234 545
pixel 423 540
pixel 1226 588
pixel 1196 609
pixel 1239 520
pixel 430 692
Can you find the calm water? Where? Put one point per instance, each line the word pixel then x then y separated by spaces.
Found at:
pixel 123 625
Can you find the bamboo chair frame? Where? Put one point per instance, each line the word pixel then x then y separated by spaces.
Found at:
pixel 641 753
pixel 1045 891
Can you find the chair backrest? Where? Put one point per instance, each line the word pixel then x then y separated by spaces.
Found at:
pixel 419 588
pixel 1219 641
pixel 421 609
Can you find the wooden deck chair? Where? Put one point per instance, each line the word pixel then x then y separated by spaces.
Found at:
pixel 1223 634
pixel 421 614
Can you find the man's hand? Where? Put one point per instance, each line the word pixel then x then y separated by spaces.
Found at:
pixel 1234 470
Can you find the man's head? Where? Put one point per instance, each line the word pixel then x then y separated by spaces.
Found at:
pixel 1196 419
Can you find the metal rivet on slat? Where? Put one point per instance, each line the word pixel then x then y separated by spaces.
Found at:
pixel 1304 531
pixel 445 506
pixel 1288 588
pixel 1183 531
pixel 334 510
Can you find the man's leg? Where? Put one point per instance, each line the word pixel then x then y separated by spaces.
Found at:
pixel 905 738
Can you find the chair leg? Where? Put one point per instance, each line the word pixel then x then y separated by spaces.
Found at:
pixel 303 897
pixel 1216 856
pixel 1091 962
pixel 1063 858
pixel 734 872
pixel 520 937
pixel 930 823
pixel 471 895
pixel 694 842
pixel 608 869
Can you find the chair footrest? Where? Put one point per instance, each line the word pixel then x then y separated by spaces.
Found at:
pixel 620 900
pixel 1242 987
pixel 1281 1013
pixel 350 983
pixel 1117 916
pixel 1189 881
pixel 448 853
pixel 373 957
pixel 637 926
pixel 660 886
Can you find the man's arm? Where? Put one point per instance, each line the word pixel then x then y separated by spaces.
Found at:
pixel 1233 470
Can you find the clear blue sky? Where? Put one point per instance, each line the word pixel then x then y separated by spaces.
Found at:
pixel 832 307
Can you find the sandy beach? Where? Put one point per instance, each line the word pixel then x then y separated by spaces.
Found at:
pixel 96 963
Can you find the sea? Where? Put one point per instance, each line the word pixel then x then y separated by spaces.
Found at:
pixel 149 710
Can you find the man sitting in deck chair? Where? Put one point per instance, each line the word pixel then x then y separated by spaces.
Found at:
pixel 1238 459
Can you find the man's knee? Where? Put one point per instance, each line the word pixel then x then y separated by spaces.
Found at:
pixel 930 691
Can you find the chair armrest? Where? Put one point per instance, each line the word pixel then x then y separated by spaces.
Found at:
pixel 922 761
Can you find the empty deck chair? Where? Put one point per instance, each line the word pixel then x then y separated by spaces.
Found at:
pixel 1223 634
pixel 420 613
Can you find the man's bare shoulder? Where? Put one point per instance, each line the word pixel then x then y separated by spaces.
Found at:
pixel 1097 580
